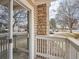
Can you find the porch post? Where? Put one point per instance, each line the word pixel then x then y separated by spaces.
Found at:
pixel 48 26
pixel 42 19
pixel 31 35
pixel 10 50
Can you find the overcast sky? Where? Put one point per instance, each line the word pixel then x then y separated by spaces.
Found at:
pixel 53 8
pixel 55 5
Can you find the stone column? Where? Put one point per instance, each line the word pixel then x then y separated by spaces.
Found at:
pixel 41 19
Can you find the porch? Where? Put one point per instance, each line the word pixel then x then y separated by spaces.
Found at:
pixel 35 43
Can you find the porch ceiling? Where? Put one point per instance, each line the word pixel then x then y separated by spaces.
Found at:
pixel 41 1
pixel 6 2
pixel 32 2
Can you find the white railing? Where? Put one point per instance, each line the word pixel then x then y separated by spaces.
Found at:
pixel 74 48
pixel 47 47
pixel 18 38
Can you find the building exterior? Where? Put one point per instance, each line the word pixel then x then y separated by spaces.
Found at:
pixel 40 43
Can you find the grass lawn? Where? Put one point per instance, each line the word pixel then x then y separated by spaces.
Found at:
pixel 72 35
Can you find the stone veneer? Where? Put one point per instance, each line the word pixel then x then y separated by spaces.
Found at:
pixel 41 19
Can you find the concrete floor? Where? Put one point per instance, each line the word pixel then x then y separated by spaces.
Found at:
pixel 21 43
pixel 20 55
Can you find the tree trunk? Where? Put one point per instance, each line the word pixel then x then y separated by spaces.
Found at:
pixel 70 28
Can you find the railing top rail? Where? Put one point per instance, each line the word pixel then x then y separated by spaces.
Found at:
pixel 50 37
pixel 74 42
pixel 15 33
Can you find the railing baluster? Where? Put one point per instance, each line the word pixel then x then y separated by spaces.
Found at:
pixel 47 47
pixel 50 47
pixel 6 47
pixel 62 49
pixel 59 47
pixel 44 46
pixel 41 45
pixel 54 48
pixel 37 45
pixel 1 48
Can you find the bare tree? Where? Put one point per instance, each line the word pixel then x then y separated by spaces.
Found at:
pixel 18 16
pixel 3 18
pixel 52 24
pixel 67 12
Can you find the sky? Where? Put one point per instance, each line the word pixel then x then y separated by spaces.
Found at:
pixel 53 8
